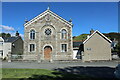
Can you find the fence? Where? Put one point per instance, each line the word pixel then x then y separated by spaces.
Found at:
pixel 23 57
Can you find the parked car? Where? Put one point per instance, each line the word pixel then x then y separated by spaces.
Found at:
pixel 117 71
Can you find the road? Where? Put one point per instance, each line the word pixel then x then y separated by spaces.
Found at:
pixel 102 69
pixel 54 65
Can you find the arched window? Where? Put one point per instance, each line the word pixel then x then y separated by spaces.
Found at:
pixel 64 34
pixel 32 34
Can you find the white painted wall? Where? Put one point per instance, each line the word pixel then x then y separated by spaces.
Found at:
pixel 6 49
pixel 74 54
pixel 1 46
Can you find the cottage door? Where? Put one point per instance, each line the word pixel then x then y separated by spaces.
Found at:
pixel 47 52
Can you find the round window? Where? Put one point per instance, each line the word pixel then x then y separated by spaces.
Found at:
pixel 48 31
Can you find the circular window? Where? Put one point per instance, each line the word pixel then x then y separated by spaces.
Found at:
pixel 48 31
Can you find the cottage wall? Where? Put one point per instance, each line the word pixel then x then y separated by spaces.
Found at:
pixel 97 48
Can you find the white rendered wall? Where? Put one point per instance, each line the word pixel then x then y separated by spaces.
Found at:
pixel 6 49
pixel 74 54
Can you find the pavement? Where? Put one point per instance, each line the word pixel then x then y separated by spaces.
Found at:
pixel 55 65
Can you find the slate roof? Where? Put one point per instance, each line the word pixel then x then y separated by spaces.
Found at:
pixel 77 44
pixel 11 39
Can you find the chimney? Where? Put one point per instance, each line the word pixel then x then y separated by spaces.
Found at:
pixel 91 31
pixel 17 34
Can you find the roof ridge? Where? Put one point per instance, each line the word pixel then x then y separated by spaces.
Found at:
pixel 43 14
pixel 99 33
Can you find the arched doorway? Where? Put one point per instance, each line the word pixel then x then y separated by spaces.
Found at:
pixel 47 52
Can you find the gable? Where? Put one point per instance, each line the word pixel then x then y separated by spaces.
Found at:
pixel 44 14
pixel 100 34
pixel 18 39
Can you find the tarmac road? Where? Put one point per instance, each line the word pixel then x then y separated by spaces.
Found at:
pixel 54 65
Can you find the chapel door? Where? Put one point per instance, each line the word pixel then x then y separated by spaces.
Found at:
pixel 47 52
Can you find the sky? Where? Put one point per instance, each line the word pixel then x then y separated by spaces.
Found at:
pixel 102 16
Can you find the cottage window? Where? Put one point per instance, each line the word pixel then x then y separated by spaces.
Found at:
pixel 64 34
pixel 88 48
pixel 32 34
pixel 32 47
pixel 64 48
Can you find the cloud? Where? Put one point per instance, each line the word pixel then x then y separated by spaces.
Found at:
pixel 22 35
pixel 0 30
pixel 7 28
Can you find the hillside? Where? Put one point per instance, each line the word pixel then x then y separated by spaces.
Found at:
pixel 111 36
pixel 80 37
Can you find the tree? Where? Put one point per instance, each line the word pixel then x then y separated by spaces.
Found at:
pixel 118 49
pixel 8 35
pixel 3 34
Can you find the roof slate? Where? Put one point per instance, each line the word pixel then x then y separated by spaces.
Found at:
pixel 11 39
pixel 77 44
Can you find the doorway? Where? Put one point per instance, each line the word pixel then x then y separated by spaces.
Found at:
pixel 47 52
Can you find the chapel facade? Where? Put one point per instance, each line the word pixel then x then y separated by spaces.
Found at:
pixel 48 36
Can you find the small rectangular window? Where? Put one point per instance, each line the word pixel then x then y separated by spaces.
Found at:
pixel 88 48
pixel 32 47
pixel 64 47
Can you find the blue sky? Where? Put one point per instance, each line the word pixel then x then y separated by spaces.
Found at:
pixel 102 16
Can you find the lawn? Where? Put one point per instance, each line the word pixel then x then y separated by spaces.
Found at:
pixel 40 74
pixel 24 73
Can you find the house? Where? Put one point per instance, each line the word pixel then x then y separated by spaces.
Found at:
pixel 1 46
pixel 96 47
pixel 5 48
pixel 77 49
pixel 13 45
pixel 48 36
pixel 114 51
pixel 114 44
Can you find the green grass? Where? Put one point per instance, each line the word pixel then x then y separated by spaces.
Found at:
pixel 40 74
pixel 24 73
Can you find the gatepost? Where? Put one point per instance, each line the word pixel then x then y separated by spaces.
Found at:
pixel 39 58
pixel 9 56
pixel 51 59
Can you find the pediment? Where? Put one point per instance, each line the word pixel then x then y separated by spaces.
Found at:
pixel 47 12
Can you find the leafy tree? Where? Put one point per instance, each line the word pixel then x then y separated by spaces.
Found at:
pixel 5 35
pixel 8 35
pixel 0 34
